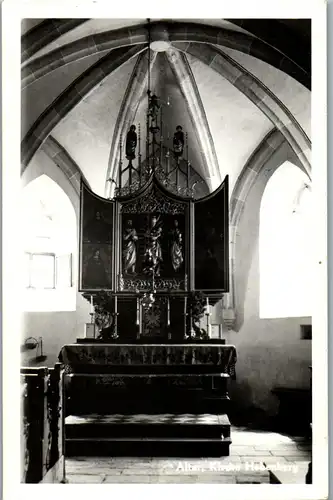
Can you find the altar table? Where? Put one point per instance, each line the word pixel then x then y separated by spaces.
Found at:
pixel 147 378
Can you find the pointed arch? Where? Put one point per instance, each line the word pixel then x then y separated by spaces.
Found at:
pixel 285 245
pixel 49 245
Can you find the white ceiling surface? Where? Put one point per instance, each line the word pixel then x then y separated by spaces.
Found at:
pixel 177 112
pixel 94 26
pixel 86 131
pixel 37 96
pixel 90 27
pixel 293 94
pixel 236 124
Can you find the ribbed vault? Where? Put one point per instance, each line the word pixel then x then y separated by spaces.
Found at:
pixel 213 77
pixel 172 31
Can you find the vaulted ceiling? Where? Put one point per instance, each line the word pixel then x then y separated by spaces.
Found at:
pixel 227 82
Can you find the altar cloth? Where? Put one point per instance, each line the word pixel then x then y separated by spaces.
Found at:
pixel 223 356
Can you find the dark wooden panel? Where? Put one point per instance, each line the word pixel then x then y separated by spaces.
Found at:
pixel 96 241
pixel 127 328
pixel 212 241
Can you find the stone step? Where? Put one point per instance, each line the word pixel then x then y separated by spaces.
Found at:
pixel 151 419
pixel 148 447
pixel 158 435
pixel 146 425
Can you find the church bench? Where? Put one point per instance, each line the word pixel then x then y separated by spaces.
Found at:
pixel 295 409
pixel 41 417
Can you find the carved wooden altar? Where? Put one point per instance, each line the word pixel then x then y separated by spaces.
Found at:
pixel 150 255
pixel 154 242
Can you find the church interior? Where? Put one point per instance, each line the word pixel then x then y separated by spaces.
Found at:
pixel 166 200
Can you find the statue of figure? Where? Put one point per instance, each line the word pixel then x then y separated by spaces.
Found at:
pixel 154 106
pixel 129 250
pixel 131 142
pixel 178 142
pixel 176 247
pixel 153 252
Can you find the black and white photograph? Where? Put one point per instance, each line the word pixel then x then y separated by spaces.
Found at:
pixel 169 239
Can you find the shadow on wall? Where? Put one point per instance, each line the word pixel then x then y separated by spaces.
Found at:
pixel 247 236
pixel 247 242
pixel 243 413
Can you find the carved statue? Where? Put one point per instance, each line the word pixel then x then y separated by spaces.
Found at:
pixel 129 250
pixel 153 252
pixel 131 142
pixel 176 247
pixel 178 142
pixel 154 106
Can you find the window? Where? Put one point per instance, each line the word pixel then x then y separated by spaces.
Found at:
pixel 47 270
pixel 285 245
pixel 41 270
pixel 49 233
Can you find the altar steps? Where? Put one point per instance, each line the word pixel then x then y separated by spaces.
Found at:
pixel 171 435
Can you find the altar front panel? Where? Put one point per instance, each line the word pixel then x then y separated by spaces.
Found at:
pixel 221 358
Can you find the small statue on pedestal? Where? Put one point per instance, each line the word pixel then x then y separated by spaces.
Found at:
pixel 154 106
pixel 176 252
pixel 129 251
pixel 178 142
pixel 131 142
pixel 153 253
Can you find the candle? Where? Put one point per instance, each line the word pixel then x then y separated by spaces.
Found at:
pixel 140 320
pixel 185 310
pixel 168 322
pixel 91 304
pixel 115 304
pixel 137 311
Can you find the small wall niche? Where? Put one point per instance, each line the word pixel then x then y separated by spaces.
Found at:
pixel 306 332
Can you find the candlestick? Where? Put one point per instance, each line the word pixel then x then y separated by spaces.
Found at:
pixel 185 311
pixel 115 317
pixel 140 319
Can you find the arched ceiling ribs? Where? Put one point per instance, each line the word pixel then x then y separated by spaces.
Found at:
pixel 134 92
pixel 65 162
pixel 72 96
pixel 83 47
pixel 258 159
pixel 281 35
pixel 44 33
pixel 259 94
pixel 175 32
pixel 186 81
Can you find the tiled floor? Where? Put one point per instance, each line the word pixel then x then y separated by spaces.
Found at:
pixel 252 455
